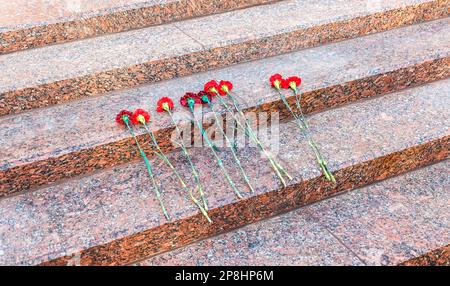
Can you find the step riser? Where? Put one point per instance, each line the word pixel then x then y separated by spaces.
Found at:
pixel 437 257
pixel 155 241
pixel 39 36
pixel 75 88
pixel 42 172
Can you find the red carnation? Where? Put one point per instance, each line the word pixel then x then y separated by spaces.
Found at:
pixel 212 87
pixel 225 87
pixel 164 104
pixel 293 82
pixel 276 81
pixel 189 98
pixel 202 94
pixel 140 116
pixel 122 116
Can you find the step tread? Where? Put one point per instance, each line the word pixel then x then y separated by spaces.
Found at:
pixel 43 134
pixel 279 18
pixel 382 224
pixel 121 60
pixel 37 23
pixel 54 63
pixel 116 203
pixel 19 14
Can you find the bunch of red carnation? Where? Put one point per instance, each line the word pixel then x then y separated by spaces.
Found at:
pixel 221 93
pixel 293 83
pixel 223 89
pixel 141 117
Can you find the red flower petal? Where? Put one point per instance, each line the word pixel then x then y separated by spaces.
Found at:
pixel 140 115
pixel 225 87
pixel 293 81
pixel 285 84
pixel 189 95
pixel 275 80
pixel 201 94
pixel 164 102
pixel 212 87
pixel 120 116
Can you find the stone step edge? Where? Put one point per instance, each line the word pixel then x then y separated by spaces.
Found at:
pixel 75 164
pixel 120 78
pixel 84 26
pixel 437 257
pixel 151 242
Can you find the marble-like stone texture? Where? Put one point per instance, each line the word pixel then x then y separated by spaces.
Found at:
pixel 28 24
pixel 392 221
pixel 285 17
pixel 437 257
pixel 289 239
pixel 27 13
pixel 63 141
pixel 112 217
pixel 58 73
pixel 383 224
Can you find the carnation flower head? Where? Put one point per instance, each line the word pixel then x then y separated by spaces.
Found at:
pixel 164 104
pixel 123 117
pixel 140 116
pixel 212 87
pixel 225 87
pixel 190 99
pixel 276 81
pixel 293 82
pixel 204 97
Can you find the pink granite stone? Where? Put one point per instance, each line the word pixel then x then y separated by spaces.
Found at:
pixel 50 133
pixel 37 23
pixel 26 13
pixel 117 203
pixel 392 221
pixel 383 224
pixel 60 73
pixel 289 239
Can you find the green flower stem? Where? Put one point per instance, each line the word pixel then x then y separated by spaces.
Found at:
pixel 301 123
pixel 149 169
pixel 164 158
pixel 298 99
pixel 235 103
pixel 193 168
pixel 249 133
pixel 199 205
pixel 238 162
pixel 219 161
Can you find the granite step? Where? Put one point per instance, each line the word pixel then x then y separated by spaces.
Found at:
pixel 112 217
pixel 67 140
pixel 387 223
pixel 437 257
pixel 55 74
pixel 37 23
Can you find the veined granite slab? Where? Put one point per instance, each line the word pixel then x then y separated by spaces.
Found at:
pixel 399 219
pixel 112 217
pixel 63 141
pixel 59 73
pixel 29 24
